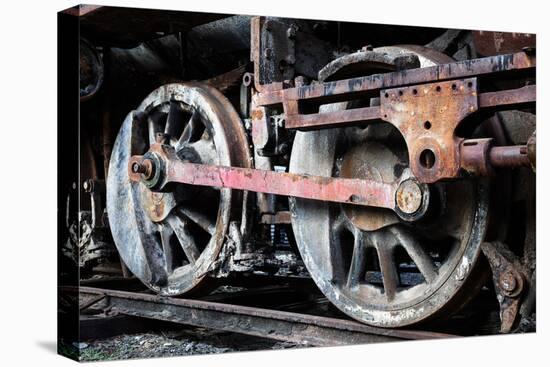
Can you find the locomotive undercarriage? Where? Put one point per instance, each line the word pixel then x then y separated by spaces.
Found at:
pixel 400 179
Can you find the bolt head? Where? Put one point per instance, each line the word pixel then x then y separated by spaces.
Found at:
pixel 408 197
pixel 247 79
pixel 88 185
pixel 508 282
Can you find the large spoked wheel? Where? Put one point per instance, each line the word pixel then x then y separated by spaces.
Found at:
pixel 371 264
pixel 170 240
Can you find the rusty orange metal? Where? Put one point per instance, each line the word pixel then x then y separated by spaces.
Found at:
pixel 497 43
pixel 427 116
pixel 337 91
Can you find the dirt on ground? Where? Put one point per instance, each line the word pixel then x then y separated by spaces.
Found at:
pixel 189 341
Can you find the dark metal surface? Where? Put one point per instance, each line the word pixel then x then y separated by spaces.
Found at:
pixel 91 70
pixel 280 325
pixel 284 48
pixel 117 26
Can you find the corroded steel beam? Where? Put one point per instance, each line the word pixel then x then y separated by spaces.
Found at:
pixel 512 98
pixel 343 190
pixel 293 327
pixel 343 89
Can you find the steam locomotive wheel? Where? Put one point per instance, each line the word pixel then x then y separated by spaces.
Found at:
pixel 169 240
pixel 371 264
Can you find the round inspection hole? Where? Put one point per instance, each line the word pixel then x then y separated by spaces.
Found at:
pixel 415 91
pixel 470 84
pixel 427 125
pixel 400 92
pixel 453 86
pixel 386 95
pixel 438 88
pixel 427 158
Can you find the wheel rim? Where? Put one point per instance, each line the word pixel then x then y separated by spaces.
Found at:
pixel 170 240
pixel 373 266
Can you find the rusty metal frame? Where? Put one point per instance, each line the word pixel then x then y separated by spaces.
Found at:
pixel 292 327
pixel 160 167
pixel 512 98
pixel 342 90
pixel 426 105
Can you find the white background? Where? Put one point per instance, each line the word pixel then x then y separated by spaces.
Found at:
pixel 28 181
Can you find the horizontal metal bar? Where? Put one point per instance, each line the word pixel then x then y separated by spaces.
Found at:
pixel 511 156
pixel 336 90
pixel 332 119
pixel 279 325
pixel 343 190
pixel 508 98
pixel 490 100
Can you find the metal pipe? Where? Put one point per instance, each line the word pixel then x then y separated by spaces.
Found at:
pixel 509 157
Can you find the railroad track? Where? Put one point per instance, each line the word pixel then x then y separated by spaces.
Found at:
pixel 295 327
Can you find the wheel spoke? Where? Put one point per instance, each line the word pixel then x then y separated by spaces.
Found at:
pixel 200 219
pixel 165 234
pixel 192 132
pixel 184 237
pixel 390 278
pixel 417 253
pixel 175 118
pixel 358 266
pixel 153 255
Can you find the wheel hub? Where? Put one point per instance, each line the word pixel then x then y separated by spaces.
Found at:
pixel 409 197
